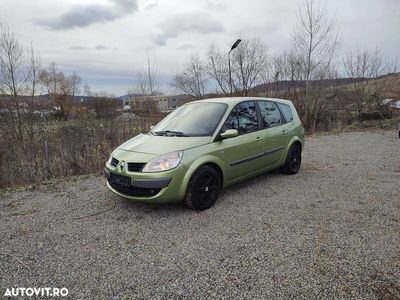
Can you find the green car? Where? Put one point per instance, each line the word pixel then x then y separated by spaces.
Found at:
pixel 204 146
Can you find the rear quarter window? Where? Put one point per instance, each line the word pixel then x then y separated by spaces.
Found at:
pixel 286 111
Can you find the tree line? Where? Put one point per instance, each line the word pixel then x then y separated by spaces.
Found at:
pixel 305 73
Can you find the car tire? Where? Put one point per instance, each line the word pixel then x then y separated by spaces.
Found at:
pixel 203 189
pixel 293 160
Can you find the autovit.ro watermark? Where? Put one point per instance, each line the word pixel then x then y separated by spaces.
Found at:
pixel 36 292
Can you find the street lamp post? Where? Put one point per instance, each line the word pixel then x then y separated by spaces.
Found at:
pixel 229 65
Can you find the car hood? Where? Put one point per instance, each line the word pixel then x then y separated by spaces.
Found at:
pixel 153 144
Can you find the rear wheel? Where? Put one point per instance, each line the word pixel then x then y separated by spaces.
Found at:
pixel 204 188
pixel 293 160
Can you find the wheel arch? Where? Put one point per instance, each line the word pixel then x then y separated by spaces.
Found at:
pixel 297 143
pixel 207 160
pixel 292 141
pixel 295 140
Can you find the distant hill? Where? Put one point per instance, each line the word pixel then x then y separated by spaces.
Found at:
pixel 285 84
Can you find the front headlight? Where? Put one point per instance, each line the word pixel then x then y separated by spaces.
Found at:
pixel 109 159
pixel 164 162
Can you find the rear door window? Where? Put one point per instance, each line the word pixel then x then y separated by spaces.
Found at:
pixel 270 114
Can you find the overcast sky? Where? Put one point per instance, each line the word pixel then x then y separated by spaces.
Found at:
pixel 105 41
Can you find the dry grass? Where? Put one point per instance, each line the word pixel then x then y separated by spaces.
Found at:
pixel 369 125
pixel 61 149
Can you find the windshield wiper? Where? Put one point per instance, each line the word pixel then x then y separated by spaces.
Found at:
pixel 169 133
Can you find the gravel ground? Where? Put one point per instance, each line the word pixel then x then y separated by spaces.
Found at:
pixel 331 231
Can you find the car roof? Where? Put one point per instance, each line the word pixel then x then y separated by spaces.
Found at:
pixel 231 101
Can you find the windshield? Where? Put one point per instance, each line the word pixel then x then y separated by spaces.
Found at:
pixel 194 119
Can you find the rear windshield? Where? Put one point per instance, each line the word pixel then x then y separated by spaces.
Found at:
pixel 194 119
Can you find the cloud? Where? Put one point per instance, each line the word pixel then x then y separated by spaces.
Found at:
pixel 216 5
pixel 79 48
pixel 185 47
pixel 85 15
pixel 98 47
pixel 179 24
pixel 151 6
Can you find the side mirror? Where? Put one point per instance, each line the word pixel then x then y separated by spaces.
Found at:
pixel 151 127
pixel 229 133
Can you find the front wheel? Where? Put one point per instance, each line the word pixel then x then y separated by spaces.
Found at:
pixel 204 188
pixel 293 160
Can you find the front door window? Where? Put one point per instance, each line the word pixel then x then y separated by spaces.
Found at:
pixel 243 117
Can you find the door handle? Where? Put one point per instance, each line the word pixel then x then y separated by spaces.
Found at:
pixel 284 132
pixel 258 139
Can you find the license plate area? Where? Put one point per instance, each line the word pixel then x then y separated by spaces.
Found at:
pixel 120 180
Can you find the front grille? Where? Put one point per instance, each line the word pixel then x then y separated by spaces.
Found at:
pixel 114 162
pixel 135 167
pixel 134 191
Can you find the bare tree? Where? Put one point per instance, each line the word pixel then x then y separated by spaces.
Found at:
pixel 147 81
pixel 192 80
pixel 61 88
pixel 33 74
pixel 13 78
pixel 286 70
pixel 18 88
pixel 18 81
pixel 365 67
pixel 218 69
pixel 249 63
pixel 315 40
pixel 86 90
pixel 33 88
pixel 72 84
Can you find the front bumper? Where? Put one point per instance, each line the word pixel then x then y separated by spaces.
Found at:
pixel 145 183
pixel 159 187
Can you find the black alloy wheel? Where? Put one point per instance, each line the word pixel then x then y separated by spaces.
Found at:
pixel 293 160
pixel 204 188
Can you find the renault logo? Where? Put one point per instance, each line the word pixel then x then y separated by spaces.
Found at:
pixel 121 165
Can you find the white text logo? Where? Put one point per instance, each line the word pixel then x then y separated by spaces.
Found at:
pixel 30 292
